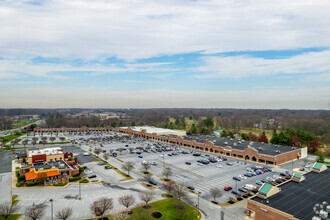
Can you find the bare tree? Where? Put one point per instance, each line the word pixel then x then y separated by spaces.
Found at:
pixel 146 167
pixel 147 196
pixel 90 150
pixel 35 212
pixel 180 191
pixel 25 142
pixel 34 143
pixel 44 142
pixel 106 156
pixel 44 138
pixel 111 151
pixel 64 214
pixel 101 206
pixel 131 149
pixel 73 141
pixel 62 139
pixel 35 139
pixel 8 208
pixel 120 215
pixel 215 192
pixel 120 149
pixel 52 139
pixel 167 172
pixel 127 200
pixel 147 178
pixel 169 186
pixel 97 151
pixel 127 166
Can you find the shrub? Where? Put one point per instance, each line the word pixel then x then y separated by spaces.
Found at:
pixel 60 184
pixel 18 184
pixel 72 179
pixel 81 170
pixel 84 181
pixel 17 173
pixel 21 178
pixel 34 183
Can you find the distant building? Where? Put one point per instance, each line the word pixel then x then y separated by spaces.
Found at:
pixel 217 133
pixel 157 131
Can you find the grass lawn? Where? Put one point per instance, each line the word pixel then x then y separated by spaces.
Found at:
pixel 12 217
pixel 9 138
pixel 257 131
pixel 166 208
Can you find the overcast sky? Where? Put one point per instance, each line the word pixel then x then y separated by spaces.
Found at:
pixel 166 53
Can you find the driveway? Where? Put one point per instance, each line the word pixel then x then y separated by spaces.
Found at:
pixel 5 161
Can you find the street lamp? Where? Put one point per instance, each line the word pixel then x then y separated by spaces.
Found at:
pixel 236 185
pixel 51 208
pixel 199 193
pixel 79 188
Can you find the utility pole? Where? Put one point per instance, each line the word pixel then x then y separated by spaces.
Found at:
pixel 51 208
pixel 199 193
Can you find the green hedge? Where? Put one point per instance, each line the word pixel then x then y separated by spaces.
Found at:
pixel 60 184
pixel 21 178
pixel 34 183
pixel 84 181
pixel 72 179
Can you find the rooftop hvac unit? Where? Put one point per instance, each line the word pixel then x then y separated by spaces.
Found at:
pixel 226 142
pixel 231 139
pixel 61 166
pixel 260 148
pixel 41 169
pixel 235 144
pixel 278 151
pixel 316 218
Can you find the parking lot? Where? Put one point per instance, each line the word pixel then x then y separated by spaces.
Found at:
pixel 5 161
pixel 79 153
pixel 201 177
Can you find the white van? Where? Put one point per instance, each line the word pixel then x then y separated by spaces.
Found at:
pixel 249 187
pixel 87 154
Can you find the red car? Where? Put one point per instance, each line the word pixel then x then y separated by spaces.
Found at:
pixel 227 188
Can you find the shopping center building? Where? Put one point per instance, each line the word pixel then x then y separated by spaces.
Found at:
pixel 302 197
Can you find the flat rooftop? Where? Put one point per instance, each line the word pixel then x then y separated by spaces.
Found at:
pixel 298 199
pixel 47 151
pixel 262 148
pixel 60 164
pixel 156 130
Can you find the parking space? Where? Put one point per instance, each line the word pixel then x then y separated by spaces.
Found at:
pixel 5 161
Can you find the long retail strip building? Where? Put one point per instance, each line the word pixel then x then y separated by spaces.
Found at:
pixel 246 150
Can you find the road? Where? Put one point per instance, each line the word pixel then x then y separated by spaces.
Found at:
pixel 7 132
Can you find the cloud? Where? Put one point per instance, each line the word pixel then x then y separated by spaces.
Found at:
pixel 245 66
pixel 92 97
pixel 142 29
pixel 161 76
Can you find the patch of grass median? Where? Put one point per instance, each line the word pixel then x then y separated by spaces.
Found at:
pixel 148 186
pixel 167 207
pixel 11 217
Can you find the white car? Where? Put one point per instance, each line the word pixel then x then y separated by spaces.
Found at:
pixel 219 166
pixel 242 177
pixel 200 164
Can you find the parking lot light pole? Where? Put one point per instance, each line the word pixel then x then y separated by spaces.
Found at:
pixel 51 208
pixel 79 188
pixel 199 193
pixel 236 185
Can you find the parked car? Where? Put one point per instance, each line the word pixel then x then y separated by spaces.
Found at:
pixel 258 182
pixel 153 182
pixel 101 163
pixel 242 190
pixel 153 163
pixel 107 167
pixel 229 164
pixel 248 174
pixel 191 187
pixel 236 178
pixel 87 154
pixel 218 166
pixel 140 156
pixel 235 192
pixel 92 176
pixel 188 163
pixel 227 188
